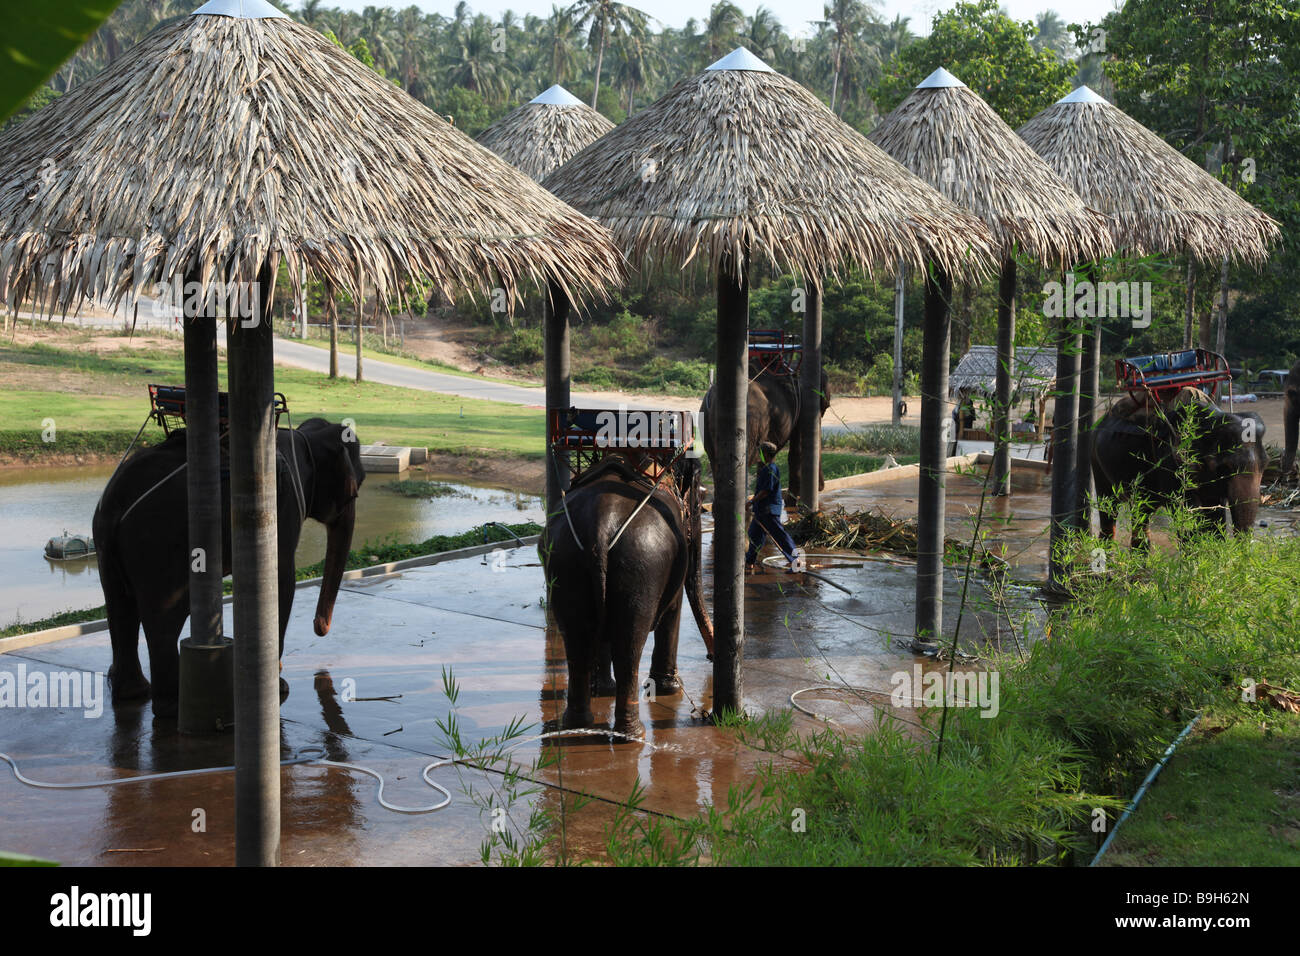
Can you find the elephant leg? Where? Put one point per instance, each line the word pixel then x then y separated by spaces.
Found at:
pixel 578 643
pixel 1138 539
pixel 631 626
pixel 125 676
pixel 162 629
pixel 602 677
pixel 1106 516
pixel 663 660
pixel 287 574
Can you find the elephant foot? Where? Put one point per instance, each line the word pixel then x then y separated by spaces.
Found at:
pixel 165 706
pixel 603 686
pixel 667 685
pixel 284 690
pixel 576 719
pixel 630 725
pixel 126 689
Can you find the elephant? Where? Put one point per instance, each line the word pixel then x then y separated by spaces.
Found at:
pixel 615 573
pixel 772 414
pixel 1141 450
pixel 142 535
pixel 1291 419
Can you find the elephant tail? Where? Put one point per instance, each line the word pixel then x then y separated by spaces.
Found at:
pixel 120 607
pixel 600 574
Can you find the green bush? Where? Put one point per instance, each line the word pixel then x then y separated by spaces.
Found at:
pixel 896 440
pixel 524 347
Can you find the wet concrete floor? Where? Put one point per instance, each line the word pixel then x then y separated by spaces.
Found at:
pixel 485 622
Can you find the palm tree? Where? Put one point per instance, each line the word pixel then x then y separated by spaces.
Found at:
pixel 893 37
pixel 559 47
pixel 412 40
pixel 1051 34
pixel 470 61
pixel 603 17
pixel 310 13
pixel 848 19
pixel 637 62
pixel 764 33
pixel 725 20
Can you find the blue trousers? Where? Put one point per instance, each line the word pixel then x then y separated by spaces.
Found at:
pixel 760 528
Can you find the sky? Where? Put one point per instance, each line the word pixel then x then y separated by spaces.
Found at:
pixel 791 13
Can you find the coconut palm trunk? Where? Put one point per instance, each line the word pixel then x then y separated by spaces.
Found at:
pixel 600 59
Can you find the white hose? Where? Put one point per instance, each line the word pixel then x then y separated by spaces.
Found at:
pixel 314 756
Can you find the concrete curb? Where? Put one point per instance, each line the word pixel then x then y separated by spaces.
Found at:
pixel 869 478
pixel 69 631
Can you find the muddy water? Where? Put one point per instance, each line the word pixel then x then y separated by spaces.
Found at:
pixel 39 503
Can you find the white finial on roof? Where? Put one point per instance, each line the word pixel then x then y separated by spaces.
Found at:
pixel 741 59
pixel 939 79
pixel 556 96
pixel 242 9
pixel 1082 95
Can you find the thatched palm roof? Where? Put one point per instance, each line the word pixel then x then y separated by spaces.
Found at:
pixel 221 138
pixel 740 155
pixel 1158 200
pixel 958 144
pixel 1032 368
pixel 545 132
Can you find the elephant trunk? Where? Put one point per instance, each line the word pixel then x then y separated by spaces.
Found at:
pixel 338 543
pixel 1243 500
pixel 694 587
pixel 1291 426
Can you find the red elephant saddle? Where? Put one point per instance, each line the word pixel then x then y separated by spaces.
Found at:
pixel 641 443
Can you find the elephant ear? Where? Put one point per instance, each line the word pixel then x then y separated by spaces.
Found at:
pixel 349 453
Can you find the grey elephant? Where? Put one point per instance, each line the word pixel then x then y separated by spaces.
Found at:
pixel 141 532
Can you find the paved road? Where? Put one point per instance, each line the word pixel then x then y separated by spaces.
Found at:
pixel 295 354
pixel 289 352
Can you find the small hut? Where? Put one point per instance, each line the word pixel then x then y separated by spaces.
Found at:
pixel 739 165
pixel 1033 377
pixel 1156 201
pixel 957 143
pixel 545 133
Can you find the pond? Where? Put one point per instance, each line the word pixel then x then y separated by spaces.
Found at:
pixel 37 504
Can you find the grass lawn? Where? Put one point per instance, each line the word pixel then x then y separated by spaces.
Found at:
pixel 1230 796
pixel 88 392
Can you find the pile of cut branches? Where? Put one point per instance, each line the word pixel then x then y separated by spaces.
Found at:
pixel 872 531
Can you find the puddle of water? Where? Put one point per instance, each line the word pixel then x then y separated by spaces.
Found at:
pixel 37 504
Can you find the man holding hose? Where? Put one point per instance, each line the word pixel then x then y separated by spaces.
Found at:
pixel 768 507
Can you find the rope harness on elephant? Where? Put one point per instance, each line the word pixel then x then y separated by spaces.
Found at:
pixel 650 494
pixel 295 475
pixel 564 502
pixel 615 462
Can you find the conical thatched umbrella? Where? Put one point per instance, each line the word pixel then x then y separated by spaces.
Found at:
pixel 537 139
pixel 1156 201
pixel 740 164
pixel 219 146
pixel 957 143
pixel 545 132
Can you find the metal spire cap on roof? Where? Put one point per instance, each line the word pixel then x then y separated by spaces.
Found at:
pixel 556 96
pixel 939 79
pixel 741 59
pixel 240 9
pixel 1083 94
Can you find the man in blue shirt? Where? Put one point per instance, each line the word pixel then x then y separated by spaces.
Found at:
pixel 769 509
